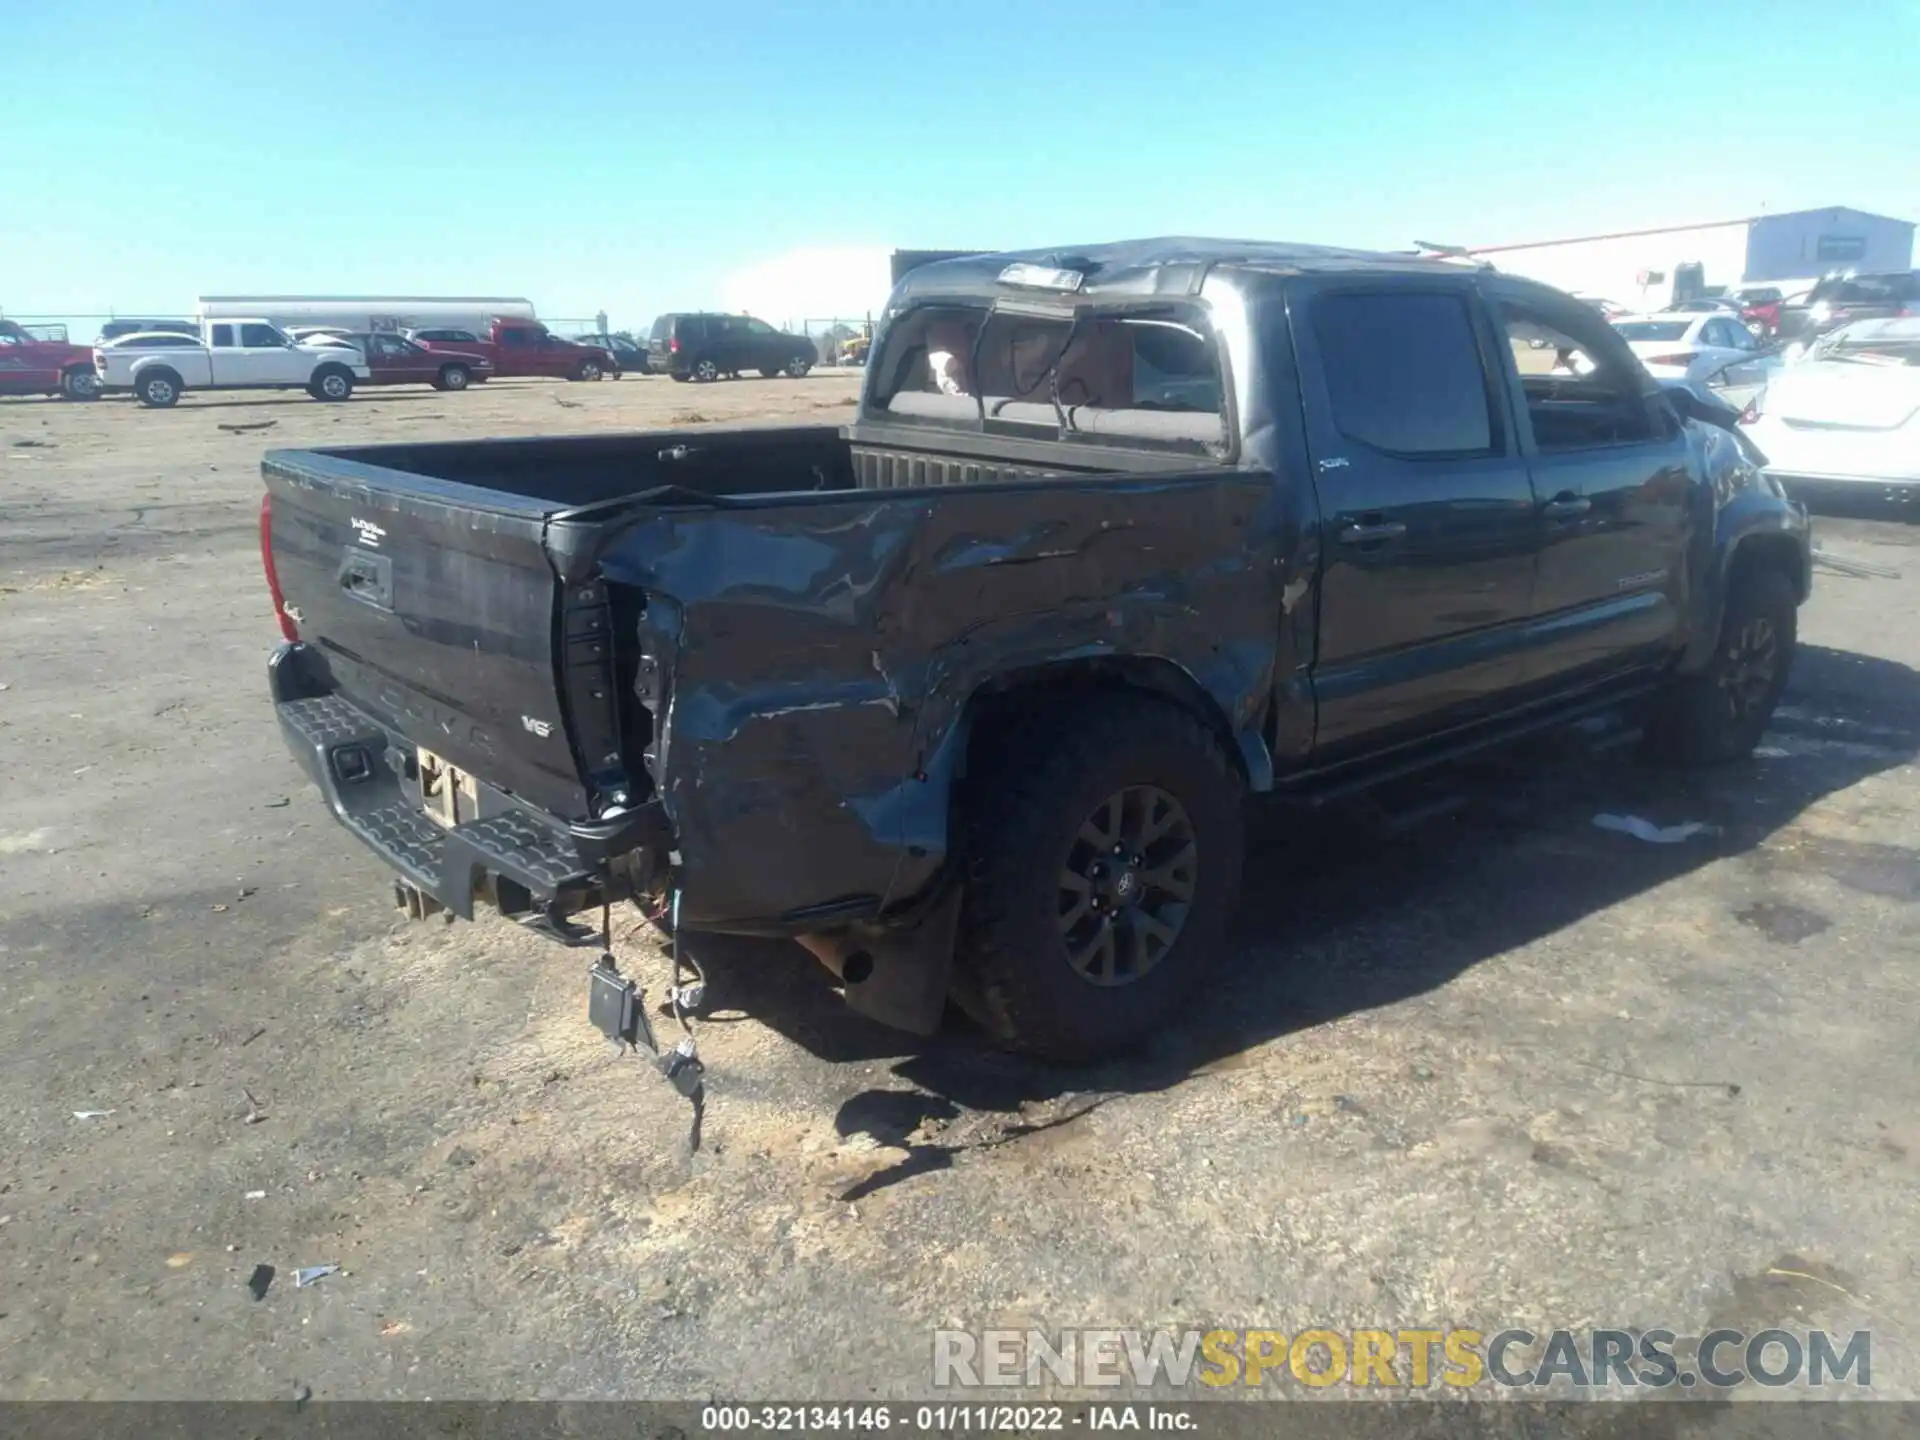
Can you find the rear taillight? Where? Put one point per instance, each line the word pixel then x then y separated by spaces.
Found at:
pixel 1680 360
pixel 287 627
pixel 1752 412
pixel 674 344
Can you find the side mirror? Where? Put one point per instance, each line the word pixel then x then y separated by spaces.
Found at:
pixel 1538 342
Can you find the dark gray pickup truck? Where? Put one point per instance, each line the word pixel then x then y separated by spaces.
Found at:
pixel 969 696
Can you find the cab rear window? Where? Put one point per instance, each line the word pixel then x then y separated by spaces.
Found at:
pixel 1135 377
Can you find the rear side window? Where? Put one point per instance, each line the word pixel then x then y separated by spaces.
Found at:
pixel 223 335
pixel 1664 330
pixel 1403 372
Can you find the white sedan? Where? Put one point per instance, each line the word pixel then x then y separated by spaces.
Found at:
pixel 1846 418
pixel 1707 349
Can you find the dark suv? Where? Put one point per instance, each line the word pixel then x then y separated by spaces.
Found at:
pixel 707 346
pixel 1842 299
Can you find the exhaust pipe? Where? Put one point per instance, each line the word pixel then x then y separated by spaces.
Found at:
pixel 850 962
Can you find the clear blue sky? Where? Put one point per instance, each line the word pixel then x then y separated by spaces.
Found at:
pixel 630 156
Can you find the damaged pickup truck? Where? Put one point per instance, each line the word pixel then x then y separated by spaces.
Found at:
pixel 970 696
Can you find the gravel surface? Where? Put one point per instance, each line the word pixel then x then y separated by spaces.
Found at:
pixel 1504 1068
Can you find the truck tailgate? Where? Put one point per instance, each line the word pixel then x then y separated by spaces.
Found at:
pixel 437 612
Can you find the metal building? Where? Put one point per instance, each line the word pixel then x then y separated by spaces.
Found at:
pixel 1650 268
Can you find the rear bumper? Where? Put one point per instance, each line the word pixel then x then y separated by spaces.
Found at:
pixel 538 869
pixel 524 862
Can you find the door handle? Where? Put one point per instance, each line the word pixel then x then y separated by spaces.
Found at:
pixel 368 578
pixel 1566 505
pixel 1371 532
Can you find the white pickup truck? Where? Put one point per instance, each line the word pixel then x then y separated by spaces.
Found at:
pixel 226 355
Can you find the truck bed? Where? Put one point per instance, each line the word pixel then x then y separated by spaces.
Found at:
pixel 578 628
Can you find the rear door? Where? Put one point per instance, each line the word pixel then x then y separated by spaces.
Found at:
pixel 436 610
pixel 24 366
pixel 1611 466
pixel 1427 519
pixel 517 352
pixel 400 362
pixel 737 348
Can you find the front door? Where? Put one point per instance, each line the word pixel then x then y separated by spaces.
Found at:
pixel 1736 358
pixel 769 347
pixel 1427 525
pixel 1611 465
pixel 264 357
pixel 518 352
pixel 554 357
pixel 24 367
pixel 395 361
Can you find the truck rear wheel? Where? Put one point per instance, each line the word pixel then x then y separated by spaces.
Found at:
pixel 1720 713
pixel 80 383
pixel 1103 861
pixel 158 389
pixel 332 382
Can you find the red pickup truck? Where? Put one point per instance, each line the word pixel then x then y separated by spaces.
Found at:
pixel 522 347
pixel 33 365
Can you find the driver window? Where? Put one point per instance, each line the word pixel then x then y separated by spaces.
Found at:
pixel 1582 389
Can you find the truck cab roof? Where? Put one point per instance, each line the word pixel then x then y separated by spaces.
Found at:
pixel 1168 265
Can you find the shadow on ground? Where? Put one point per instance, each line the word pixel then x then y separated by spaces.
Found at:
pixel 1511 856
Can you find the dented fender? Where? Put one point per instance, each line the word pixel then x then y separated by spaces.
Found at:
pixel 811 663
pixel 1747 509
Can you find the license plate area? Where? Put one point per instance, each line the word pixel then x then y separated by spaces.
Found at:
pixel 448 794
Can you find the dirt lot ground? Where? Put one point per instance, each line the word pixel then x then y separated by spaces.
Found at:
pixel 1504 1068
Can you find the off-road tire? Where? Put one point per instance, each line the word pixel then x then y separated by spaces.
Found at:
pixel 1719 714
pixel 1038 779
